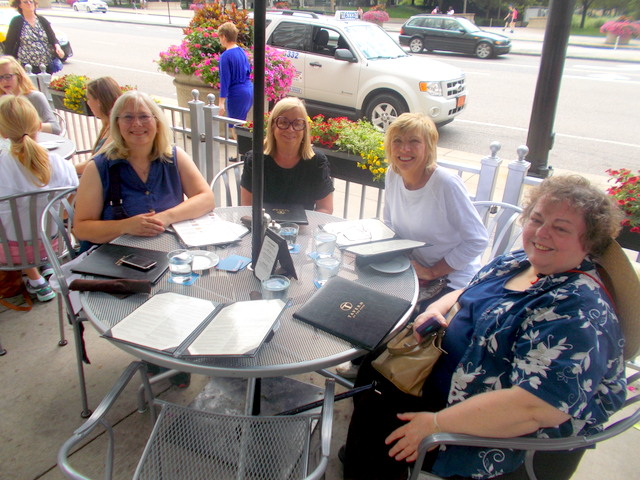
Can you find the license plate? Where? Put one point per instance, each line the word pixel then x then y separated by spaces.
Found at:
pixel 460 101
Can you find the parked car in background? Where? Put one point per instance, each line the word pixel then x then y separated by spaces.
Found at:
pixel 91 6
pixel 7 14
pixel 451 34
pixel 348 67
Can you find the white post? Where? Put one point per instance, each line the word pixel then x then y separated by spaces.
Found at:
pixel 211 132
pixel 489 170
pixel 515 185
pixel 196 116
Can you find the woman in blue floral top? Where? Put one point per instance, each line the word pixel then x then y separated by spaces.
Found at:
pixel 535 350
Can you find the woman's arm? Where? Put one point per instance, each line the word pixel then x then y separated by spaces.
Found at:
pixel 88 223
pixel 12 42
pixel 437 309
pixel 246 197
pixel 49 121
pixel 200 198
pixel 504 413
pixel 325 205
pixel 51 36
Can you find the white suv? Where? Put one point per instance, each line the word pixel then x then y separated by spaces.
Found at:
pixel 355 69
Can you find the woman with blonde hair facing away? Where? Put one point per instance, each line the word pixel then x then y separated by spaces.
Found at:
pixel 141 175
pixel 26 167
pixel 293 172
pixel 102 94
pixel 14 81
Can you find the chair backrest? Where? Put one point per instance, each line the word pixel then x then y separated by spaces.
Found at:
pixel 58 216
pixel 62 123
pixel 227 181
pixel 500 221
pixel 20 227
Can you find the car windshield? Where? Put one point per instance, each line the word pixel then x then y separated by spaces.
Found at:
pixel 468 25
pixel 374 43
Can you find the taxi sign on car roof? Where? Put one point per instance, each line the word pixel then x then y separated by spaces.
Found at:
pixel 346 15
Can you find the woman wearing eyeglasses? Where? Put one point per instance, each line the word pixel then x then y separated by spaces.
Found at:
pixel 14 81
pixel 30 38
pixel 293 172
pixel 137 186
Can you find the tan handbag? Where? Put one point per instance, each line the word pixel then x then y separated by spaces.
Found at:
pixel 406 362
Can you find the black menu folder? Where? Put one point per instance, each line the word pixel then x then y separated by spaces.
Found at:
pixel 104 261
pixel 353 312
pixel 282 213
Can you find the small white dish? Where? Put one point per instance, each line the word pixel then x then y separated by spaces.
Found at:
pixel 49 145
pixel 204 260
pixel 396 265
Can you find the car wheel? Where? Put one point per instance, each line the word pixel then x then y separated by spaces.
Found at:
pixel 383 109
pixel 75 7
pixel 484 50
pixel 416 45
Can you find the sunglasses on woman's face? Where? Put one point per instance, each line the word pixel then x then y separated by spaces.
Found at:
pixel 297 124
pixel 27 2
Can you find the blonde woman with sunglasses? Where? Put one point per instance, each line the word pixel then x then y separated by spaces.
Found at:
pixel 293 172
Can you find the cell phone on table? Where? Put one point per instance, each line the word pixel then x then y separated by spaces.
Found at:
pixel 139 262
pixel 427 328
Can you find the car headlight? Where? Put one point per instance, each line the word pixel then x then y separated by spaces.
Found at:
pixel 432 88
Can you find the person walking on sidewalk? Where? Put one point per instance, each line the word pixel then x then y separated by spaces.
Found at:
pixel 510 19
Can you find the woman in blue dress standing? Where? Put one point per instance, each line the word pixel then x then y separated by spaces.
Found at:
pixel 236 89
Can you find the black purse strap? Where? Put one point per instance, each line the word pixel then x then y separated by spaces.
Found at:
pixel 115 194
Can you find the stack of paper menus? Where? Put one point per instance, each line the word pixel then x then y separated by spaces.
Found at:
pixel 354 232
pixel 183 326
pixel 370 240
pixel 208 229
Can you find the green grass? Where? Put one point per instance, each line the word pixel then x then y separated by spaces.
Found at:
pixel 405 11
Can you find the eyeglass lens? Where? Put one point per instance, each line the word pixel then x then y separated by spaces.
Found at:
pixel 298 124
pixel 140 118
pixel 7 76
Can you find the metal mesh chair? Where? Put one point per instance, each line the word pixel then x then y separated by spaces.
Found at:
pixel 227 181
pixel 499 220
pixel 22 216
pixel 531 445
pixel 193 444
pixel 55 231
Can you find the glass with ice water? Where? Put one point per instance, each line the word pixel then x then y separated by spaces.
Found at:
pixel 180 265
pixel 325 243
pixel 325 268
pixel 289 231
pixel 275 287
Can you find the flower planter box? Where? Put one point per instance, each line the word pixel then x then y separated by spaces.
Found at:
pixel 58 104
pixel 628 239
pixel 343 165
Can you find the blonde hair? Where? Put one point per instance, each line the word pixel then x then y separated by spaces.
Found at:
pixel 19 122
pixel 162 142
pixel 24 83
pixel 284 105
pixel 410 123
pixel 229 31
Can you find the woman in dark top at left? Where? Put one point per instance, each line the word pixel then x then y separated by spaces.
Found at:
pixel 30 38
pixel 153 178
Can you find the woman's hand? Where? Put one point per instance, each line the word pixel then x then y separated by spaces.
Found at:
pixel 59 51
pixel 144 225
pixel 409 436
pixel 423 273
pixel 428 314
